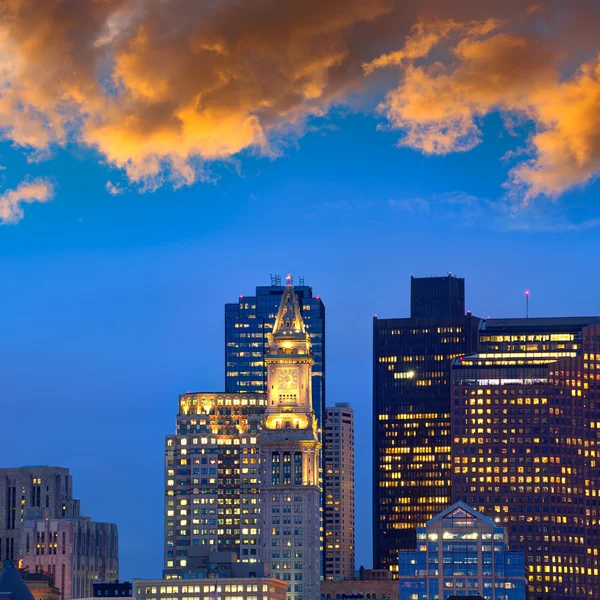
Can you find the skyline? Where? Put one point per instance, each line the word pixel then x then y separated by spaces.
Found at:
pixel 95 488
pixel 145 182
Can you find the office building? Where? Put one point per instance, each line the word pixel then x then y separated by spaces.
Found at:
pixel 338 478
pixel 212 478
pixel 257 588
pixel 290 456
pixel 247 325
pixel 32 493
pixel 526 412
pixel 461 552
pixel 411 412
pixel 76 551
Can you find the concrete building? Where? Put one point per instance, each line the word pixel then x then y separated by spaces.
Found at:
pixel 526 417
pixel 212 478
pixel 461 552
pixel 76 551
pixel 290 456
pixel 338 481
pixel 39 492
pixel 259 588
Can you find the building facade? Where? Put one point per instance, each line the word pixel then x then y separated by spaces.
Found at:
pixel 259 588
pixel 526 411
pixel 461 552
pixel 41 585
pixel 375 590
pixel 212 475
pixel 338 481
pixel 32 493
pixel 247 325
pixel 411 412
pixel 76 551
pixel 290 457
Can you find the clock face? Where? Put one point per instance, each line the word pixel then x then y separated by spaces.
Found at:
pixel 287 379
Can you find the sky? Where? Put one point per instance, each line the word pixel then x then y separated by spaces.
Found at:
pixel 158 160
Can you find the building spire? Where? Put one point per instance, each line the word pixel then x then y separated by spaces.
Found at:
pixel 289 323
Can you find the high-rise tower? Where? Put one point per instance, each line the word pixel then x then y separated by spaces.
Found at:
pixel 338 483
pixel 412 412
pixel 290 451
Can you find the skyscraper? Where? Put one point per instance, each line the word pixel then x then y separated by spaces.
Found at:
pixel 338 478
pixel 32 492
pixel 212 478
pixel 247 325
pixel 75 550
pixel 40 525
pixel 526 422
pixel 289 457
pixel 460 553
pixel 411 412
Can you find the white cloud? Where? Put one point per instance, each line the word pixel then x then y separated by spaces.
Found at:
pixel 11 201
pixel 114 189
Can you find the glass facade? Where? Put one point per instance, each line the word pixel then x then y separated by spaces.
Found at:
pixel 460 552
pixel 411 415
pixel 525 448
pixel 247 323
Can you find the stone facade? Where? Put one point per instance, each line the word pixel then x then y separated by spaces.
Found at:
pixel 76 551
pixel 290 457
pixel 32 493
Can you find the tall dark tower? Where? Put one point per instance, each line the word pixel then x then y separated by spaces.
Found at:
pixel 411 412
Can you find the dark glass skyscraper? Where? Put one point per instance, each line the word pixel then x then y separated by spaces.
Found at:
pixel 247 323
pixel 411 412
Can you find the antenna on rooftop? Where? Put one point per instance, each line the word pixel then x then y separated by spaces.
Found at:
pixel 300 281
pixel 527 304
pixel 275 279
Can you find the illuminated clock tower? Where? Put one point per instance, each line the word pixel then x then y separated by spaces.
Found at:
pixel 289 450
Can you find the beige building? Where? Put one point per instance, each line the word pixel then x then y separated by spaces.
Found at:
pixel 76 551
pixel 290 457
pixel 41 585
pixel 32 493
pixel 338 479
pixel 260 588
pixel 212 478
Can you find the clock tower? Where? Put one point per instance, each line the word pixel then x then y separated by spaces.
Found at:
pixel 289 451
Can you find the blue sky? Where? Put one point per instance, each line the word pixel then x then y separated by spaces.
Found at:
pixel 113 305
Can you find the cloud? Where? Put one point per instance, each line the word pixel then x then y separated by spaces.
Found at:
pixel 114 189
pixel 161 88
pixel 480 67
pixel 11 201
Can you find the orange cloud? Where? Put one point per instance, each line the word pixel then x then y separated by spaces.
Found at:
pixel 11 201
pixel 160 87
pixel 439 103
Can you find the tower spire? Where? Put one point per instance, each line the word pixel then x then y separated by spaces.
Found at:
pixel 289 323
